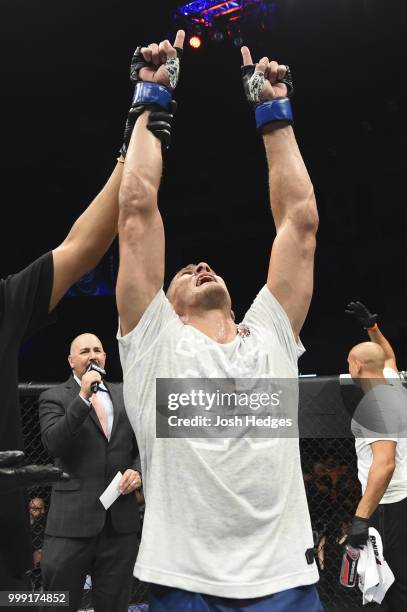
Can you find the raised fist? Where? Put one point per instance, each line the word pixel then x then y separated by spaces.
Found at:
pixel 158 63
pixel 266 80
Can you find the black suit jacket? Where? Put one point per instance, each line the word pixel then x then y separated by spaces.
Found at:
pixel 71 432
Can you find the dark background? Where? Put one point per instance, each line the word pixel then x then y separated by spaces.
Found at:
pixel 65 93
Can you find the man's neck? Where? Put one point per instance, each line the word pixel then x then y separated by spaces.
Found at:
pixel 213 323
pixel 370 380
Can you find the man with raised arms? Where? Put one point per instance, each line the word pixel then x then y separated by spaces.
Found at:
pixel 227 523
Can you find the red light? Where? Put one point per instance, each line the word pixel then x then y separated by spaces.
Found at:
pixel 195 42
pixel 232 10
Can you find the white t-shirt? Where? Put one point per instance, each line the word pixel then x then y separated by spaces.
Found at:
pixel 228 517
pixel 382 415
pixel 392 376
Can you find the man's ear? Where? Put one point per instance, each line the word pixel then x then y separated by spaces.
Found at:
pixel 232 314
pixel 70 362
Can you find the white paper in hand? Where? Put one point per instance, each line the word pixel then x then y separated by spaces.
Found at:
pixel 112 492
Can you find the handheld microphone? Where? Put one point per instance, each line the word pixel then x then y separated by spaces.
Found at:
pixel 95 386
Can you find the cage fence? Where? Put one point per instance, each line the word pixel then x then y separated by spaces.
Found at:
pixel 331 484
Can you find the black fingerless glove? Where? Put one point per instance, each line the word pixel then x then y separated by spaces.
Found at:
pixel 268 111
pixel 153 97
pixel 253 82
pixel 173 66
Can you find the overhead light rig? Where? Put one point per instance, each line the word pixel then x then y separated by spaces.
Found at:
pixel 216 21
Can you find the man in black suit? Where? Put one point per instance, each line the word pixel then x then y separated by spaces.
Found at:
pixel 91 438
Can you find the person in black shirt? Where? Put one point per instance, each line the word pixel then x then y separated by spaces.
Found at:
pixel 26 300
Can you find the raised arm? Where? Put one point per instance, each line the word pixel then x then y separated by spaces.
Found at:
pixel 291 269
pixel 90 237
pixel 369 323
pixel 141 231
pixel 290 274
pixel 94 231
pixel 376 335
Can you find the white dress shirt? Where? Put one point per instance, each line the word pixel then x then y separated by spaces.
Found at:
pixel 104 396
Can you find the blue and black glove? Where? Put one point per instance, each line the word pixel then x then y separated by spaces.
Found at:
pixel 154 97
pixel 268 111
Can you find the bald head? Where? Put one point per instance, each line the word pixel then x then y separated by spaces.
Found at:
pixel 86 349
pixel 82 340
pixel 368 358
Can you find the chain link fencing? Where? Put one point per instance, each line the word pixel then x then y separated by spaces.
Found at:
pixel 330 477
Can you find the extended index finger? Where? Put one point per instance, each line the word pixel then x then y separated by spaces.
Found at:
pixel 179 39
pixel 247 58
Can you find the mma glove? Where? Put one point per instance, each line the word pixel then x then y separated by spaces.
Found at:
pixel 361 314
pixel 14 478
pixel 358 533
pixel 9 458
pixel 153 97
pixel 267 111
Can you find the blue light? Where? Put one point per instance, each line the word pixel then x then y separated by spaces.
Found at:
pixel 205 6
pixel 215 8
pixel 218 14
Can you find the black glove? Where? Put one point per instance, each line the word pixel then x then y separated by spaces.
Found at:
pixel 159 123
pixel 15 478
pixel 358 533
pixel 8 458
pixel 248 73
pixel 138 62
pixel 160 120
pixel 361 313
